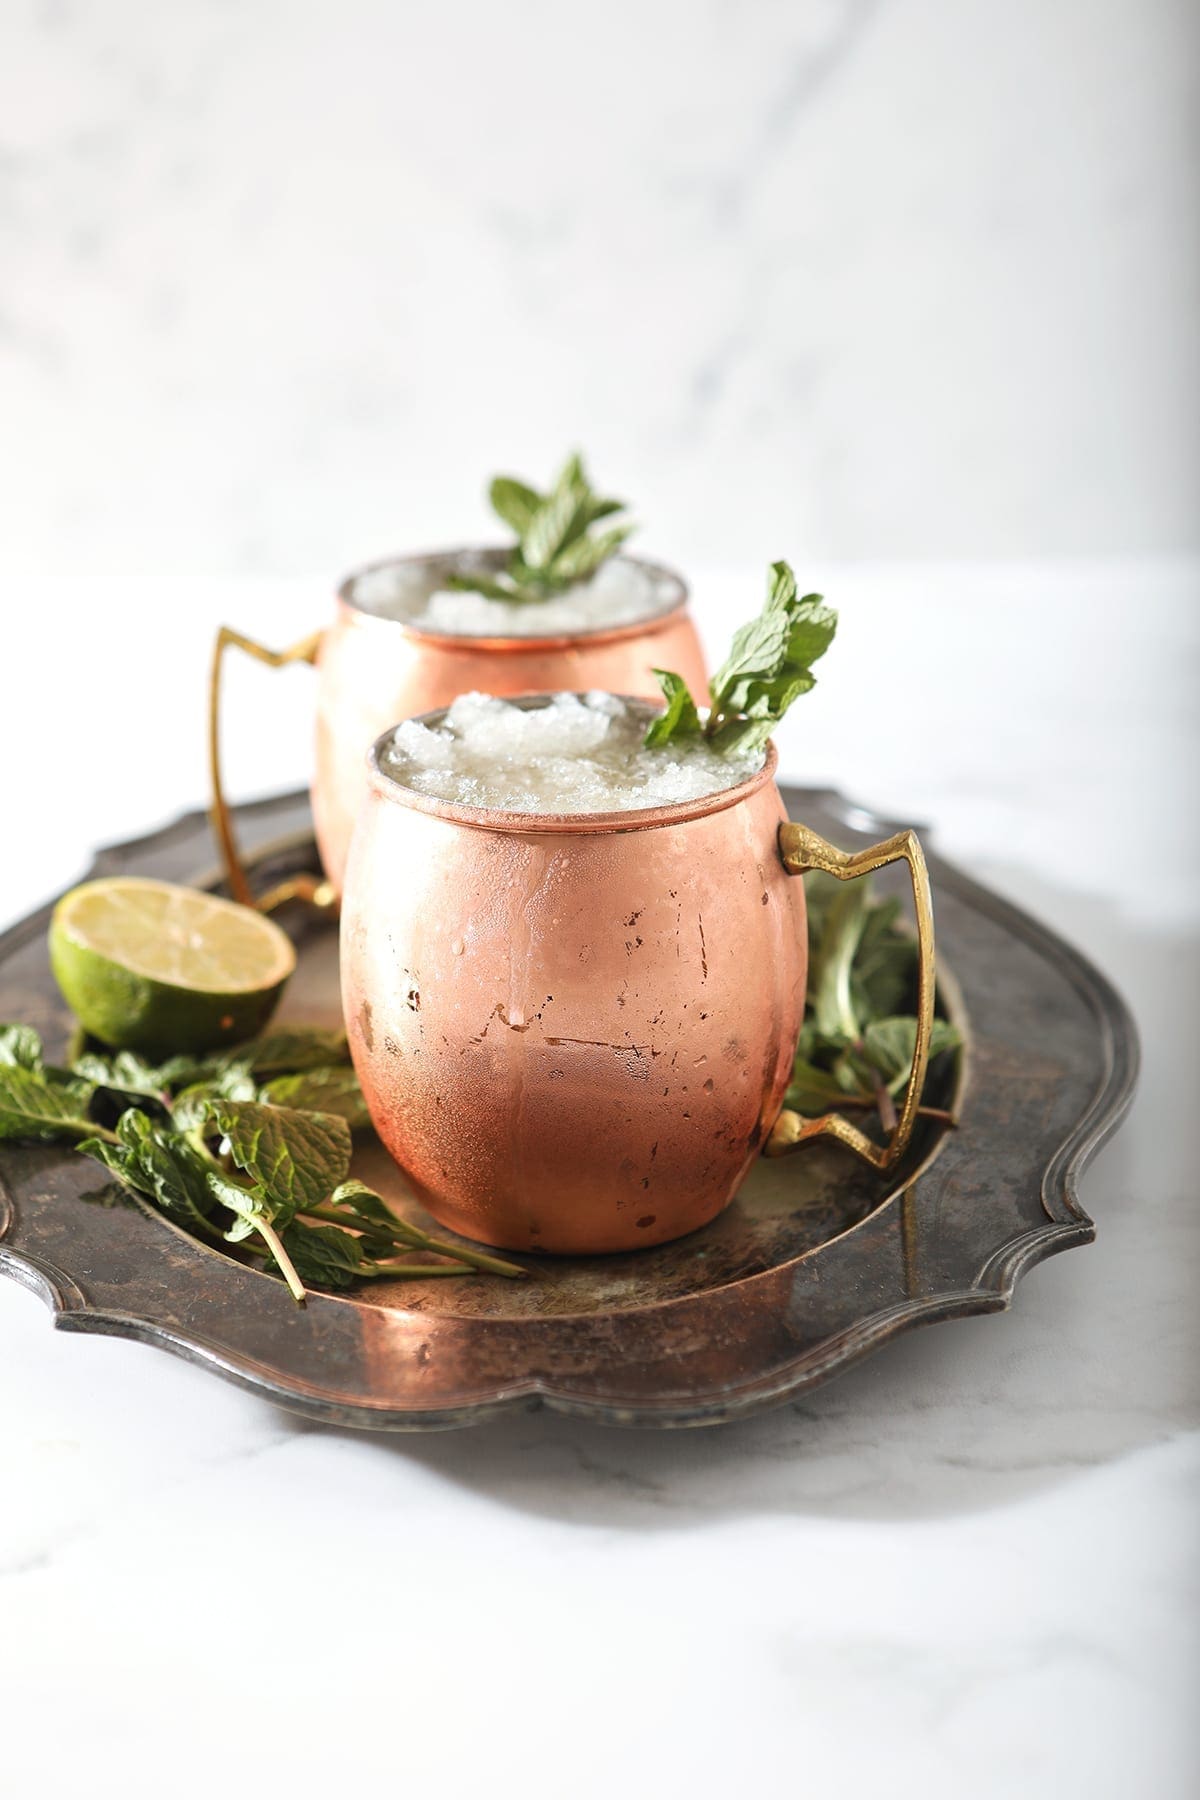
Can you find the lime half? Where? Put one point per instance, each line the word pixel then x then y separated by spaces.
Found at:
pixel 161 969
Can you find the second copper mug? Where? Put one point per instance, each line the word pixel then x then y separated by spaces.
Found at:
pixel 373 670
pixel 574 1032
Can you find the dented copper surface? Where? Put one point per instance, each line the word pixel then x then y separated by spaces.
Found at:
pixel 573 1032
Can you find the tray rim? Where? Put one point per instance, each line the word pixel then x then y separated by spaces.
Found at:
pixel 992 1289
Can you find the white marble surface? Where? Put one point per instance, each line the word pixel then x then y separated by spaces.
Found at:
pixel 967 1567
pixel 282 281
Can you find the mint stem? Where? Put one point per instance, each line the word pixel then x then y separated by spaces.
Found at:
pixel 267 1232
pixel 286 1266
pixel 416 1239
pixel 89 1130
pixel 884 1101
pixel 477 1259
pixel 402 1270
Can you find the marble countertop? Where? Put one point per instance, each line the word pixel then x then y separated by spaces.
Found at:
pixel 967 1566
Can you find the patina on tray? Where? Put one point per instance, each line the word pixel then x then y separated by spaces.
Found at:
pixel 817 1262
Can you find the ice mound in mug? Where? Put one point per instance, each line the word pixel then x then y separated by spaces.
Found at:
pixel 621 592
pixel 568 753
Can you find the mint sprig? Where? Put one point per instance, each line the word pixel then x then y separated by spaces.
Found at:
pixel 768 667
pixel 249 1148
pixel 857 1042
pixel 556 544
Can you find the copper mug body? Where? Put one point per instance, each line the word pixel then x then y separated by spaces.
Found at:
pixel 573 1033
pixel 373 671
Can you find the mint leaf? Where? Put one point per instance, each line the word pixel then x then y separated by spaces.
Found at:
pixel 493 587
pixel 234 1082
pixel 368 1212
pixel 883 979
pixel 557 520
pixel 35 1107
pixel 121 1081
pixel 820 892
pixel 813 628
pixel 680 718
pixel 320 1090
pixel 296 1158
pixel 514 502
pixel 585 555
pixel 766 671
pixel 287 1052
pixel 277 1053
pixel 811 1090
pixel 742 737
pixel 125 1080
pixel 829 989
pixel 123 1070
pixel 770 699
pixel 252 1208
pixel 20 1048
pixel 363 1210
pixel 758 652
pixel 603 509
pixel 890 1044
pixel 781 586
pixel 554 548
pixel 365 1202
pixel 326 1256
pixel 163 1166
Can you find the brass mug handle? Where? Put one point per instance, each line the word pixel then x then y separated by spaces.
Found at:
pixel 312 889
pixel 800 850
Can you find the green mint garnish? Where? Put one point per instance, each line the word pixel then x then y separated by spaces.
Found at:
pixel 857 1041
pixel 768 667
pixel 249 1147
pixel 556 545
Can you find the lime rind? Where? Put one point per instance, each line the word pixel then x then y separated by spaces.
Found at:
pixel 110 961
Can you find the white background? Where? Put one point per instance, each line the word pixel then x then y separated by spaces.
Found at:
pixel 906 291
pixel 285 280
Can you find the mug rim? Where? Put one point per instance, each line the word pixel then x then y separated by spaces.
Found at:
pixel 502 644
pixel 491 818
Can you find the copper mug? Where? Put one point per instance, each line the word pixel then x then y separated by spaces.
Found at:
pixel 574 1032
pixel 372 671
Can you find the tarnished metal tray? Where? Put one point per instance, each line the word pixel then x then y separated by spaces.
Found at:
pixel 817 1262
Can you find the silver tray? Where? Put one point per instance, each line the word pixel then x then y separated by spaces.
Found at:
pixel 817 1262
